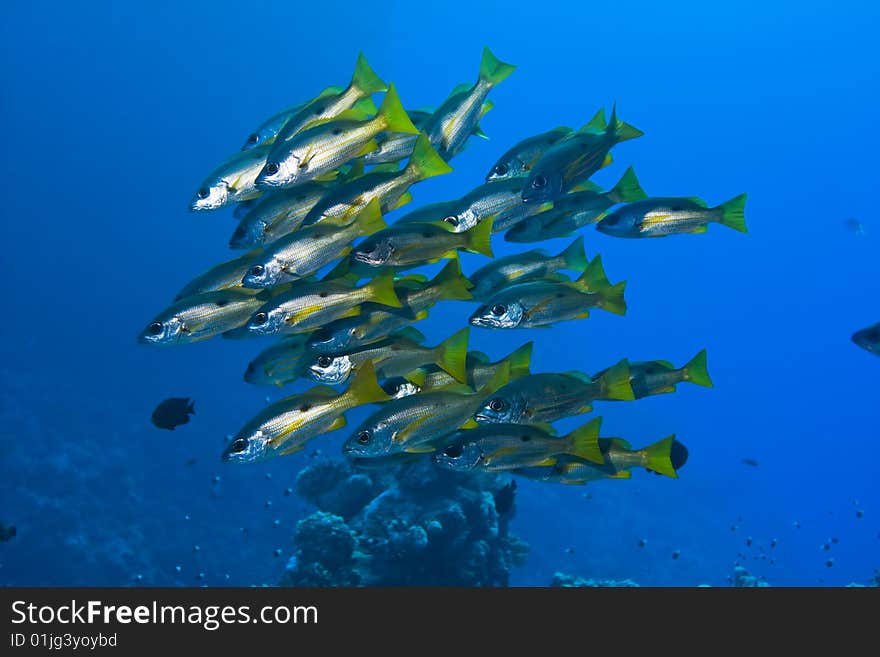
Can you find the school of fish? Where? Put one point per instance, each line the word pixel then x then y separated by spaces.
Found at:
pixel 324 270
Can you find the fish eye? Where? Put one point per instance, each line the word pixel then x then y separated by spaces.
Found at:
pixel 271 168
pixel 540 182
pixel 499 309
pixel 257 270
pixel 501 169
pixel 452 220
pixel 260 318
pixel 497 405
pixel 453 451
pixel 155 328
pixel 324 361
pixel 252 138
pixel 318 111
pixel 239 445
pixel 363 437
pixel 203 193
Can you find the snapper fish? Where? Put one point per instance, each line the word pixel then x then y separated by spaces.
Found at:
pixel 202 316
pixel 276 215
pixel 659 217
pixel 219 277
pixel 284 427
pixel 542 303
pixel 576 210
pixel 416 244
pixel 376 322
pixel 396 146
pixel 453 122
pixel 664 457
pixel 326 145
pixel 574 159
pixel 310 305
pixel 548 397
pixel 506 447
pixel 520 158
pixel 231 182
pixel 281 363
pixel 268 130
pixel 388 185
pixel 302 253
pixel 479 370
pixel 416 422
pixel 330 103
pixel 531 265
pixel 398 356
pixel 659 376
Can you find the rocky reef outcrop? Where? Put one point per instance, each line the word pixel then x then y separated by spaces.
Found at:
pixel 409 525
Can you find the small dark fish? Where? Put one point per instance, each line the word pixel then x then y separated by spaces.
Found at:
pixel 7 532
pixel 835 540
pixel 773 543
pixel 504 498
pixel 829 563
pixel 869 339
pixel 855 226
pixel 173 412
pixel 191 461
pixel 826 547
pixel 569 550
pixel 749 541
pixel 860 514
pixel 642 542
pixel 751 462
pixel 676 554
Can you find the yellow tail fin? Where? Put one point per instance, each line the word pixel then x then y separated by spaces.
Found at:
pixel 394 118
pixel 612 299
pixel 453 285
pixel 382 290
pixel 584 442
pixel 479 238
pixel 365 388
pixel 453 354
pixel 658 457
pixel 520 361
pixel 697 371
pixel 425 162
pixel 492 69
pixel 369 220
pixel 615 384
pixel 365 78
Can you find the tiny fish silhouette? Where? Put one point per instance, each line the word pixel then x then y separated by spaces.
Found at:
pixel 855 226
pixel 173 412
pixel 7 532
pixel 751 462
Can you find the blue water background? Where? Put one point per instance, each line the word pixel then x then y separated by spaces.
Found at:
pixel 112 113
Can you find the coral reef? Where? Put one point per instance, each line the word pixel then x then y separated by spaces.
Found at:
pixel 574 581
pixel 413 524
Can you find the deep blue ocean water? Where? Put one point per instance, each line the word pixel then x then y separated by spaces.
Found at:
pixel 112 114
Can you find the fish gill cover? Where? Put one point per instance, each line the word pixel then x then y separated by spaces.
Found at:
pixel 429 470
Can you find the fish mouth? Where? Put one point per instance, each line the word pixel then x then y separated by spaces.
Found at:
pixel 367 258
pixel 486 322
